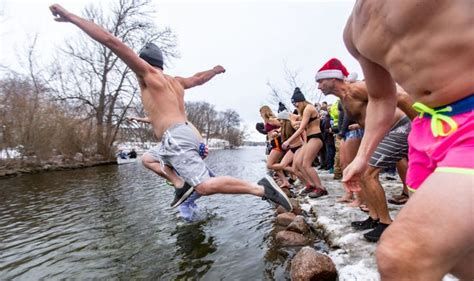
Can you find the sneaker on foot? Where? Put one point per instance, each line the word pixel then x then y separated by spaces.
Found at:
pixel 399 199
pixel 365 224
pixel 307 190
pixel 181 194
pixel 274 193
pixel 374 235
pixel 318 192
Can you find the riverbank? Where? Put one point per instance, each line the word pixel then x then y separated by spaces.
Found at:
pixel 353 255
pixel 17 169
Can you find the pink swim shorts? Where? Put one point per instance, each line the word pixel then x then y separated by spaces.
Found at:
pixel 450 150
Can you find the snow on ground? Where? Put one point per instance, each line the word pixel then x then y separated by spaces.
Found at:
pixel 353 255
pixel 9 153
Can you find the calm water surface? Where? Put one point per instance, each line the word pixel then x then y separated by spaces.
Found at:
pixel 114 222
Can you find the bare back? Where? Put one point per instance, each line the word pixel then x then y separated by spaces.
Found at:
pixel 427 46
pixel 163 99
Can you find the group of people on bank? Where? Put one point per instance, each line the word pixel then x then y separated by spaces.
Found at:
pixel 296 140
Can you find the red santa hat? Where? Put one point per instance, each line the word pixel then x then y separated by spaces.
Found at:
pixel 334 69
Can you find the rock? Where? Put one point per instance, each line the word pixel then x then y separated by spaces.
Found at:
pixel 289 238
pixel 285 219
pixel 299 225
pixel 280 210
pixel 98 157
pixel 79 157
pixel 308 264
pixel 57 159
pixel 296 207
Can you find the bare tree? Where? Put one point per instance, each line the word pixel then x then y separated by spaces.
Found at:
pixel 95 81
pixel 292 80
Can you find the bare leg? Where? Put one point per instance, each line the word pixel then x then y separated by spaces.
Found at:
pixel 402 167
pixel 351 146
pixel 311 151
pixel 228 185
pixel 280 167
pixel 374 195
pixel 164 172
pixel 348 196
pixel 298 165
pixel 433 233
pixel 274 158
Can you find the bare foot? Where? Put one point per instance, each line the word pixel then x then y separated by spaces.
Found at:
pixel 355 203
pixel 364 208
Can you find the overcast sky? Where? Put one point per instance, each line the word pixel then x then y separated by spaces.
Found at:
pixel 253 40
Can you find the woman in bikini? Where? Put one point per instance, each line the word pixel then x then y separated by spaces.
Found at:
pixel 303 160
pixel 286 131
pixel 271 127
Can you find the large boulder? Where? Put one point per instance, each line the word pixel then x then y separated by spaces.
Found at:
pixel 289 238
pixel 309 264
pixel 299 225
pixel 285 219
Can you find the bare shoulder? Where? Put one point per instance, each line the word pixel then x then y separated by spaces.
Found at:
pixel 309 110
pixel 359 88
pixel 153 78
pixel 355 89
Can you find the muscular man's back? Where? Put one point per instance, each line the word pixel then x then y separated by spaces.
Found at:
pixel 432 60
pixel 163 99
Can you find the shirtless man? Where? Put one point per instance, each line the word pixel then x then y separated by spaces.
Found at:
pixel 427 47
pixel 163 99
pixel 392 149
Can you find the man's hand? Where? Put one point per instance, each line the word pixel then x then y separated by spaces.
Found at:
pixel 60 14
pixel 352 174
pixel 218 69
pixel 285 145
pixel 354 127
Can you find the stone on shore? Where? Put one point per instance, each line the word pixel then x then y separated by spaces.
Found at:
pixel 285 219
pixel 289 238
pixel 298 225
pixel 308 264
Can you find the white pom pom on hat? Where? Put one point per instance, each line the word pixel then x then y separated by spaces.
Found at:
pixel 352 77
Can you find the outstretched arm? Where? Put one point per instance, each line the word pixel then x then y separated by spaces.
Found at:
pixel 131 59
pixel 200 77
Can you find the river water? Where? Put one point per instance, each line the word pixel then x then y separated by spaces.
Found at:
pixel 113 222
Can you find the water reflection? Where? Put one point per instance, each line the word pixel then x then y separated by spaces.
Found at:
pixel 193 246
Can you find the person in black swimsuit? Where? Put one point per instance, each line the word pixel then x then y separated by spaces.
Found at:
pixel 303 161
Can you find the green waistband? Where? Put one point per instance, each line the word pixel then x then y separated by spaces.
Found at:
pixel 437 119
